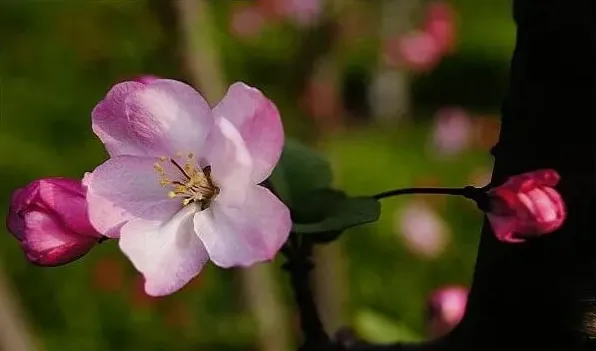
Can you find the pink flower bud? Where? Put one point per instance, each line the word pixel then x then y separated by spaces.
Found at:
pixel 526 206
pixel 445 309
pixel 49 218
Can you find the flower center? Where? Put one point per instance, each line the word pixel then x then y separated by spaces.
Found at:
pixel 191 183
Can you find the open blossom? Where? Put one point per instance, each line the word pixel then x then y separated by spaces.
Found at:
pixel 445 309
pixel 49 218
pixel 526 206
pixel 181 186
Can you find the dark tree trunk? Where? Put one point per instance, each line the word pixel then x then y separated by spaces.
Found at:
pixel 541 295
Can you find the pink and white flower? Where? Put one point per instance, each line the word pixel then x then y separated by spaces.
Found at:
pixel 418 51
pixel 181 186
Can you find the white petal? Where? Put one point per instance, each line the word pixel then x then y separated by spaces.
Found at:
pixel 258 121
pixel 123 188
pixel 231 163
pixel 167 117
pixel 168 254
pixel 246 234
pixel 110 123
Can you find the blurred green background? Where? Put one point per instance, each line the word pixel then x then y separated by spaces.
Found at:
pixel 59 57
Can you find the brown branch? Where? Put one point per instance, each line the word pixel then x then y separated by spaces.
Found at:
pixel 298 253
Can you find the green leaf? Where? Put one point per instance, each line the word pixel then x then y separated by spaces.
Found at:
pixel 300 170
pixel 331 212
pixel 302 180
pixel 316 205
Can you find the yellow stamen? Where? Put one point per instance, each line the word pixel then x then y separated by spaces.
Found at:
pixel 194 184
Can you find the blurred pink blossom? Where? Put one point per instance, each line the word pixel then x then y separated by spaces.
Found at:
pixel 322 101
pixel 422 49
pixel 440 24
pixel 446 308
pixel 417 51
pixel 452 131
pixel 246 21
pixel 422 230
pixel 303 12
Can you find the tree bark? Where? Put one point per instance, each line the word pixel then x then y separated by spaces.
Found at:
pixel 541 295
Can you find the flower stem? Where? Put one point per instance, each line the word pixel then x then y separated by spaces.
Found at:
pixel 443 191
pixel 470 192
pixel 299 265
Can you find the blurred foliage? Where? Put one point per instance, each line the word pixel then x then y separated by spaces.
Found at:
pixel 58 58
